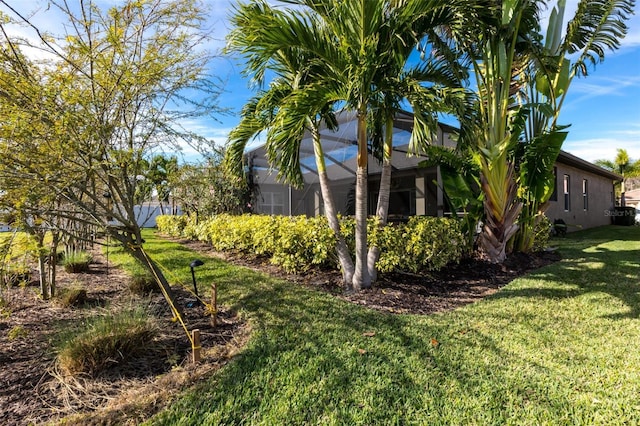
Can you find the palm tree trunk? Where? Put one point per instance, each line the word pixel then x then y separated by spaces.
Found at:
pixel 501 209
pixel 344 257
pixel 361 278
pixel 382 209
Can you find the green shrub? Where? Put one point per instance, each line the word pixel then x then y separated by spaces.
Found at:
pixel 77 261
pixel 424 243
pixel 541 233
pixel 296 243
pixel 302 242
pixel 107 341
pixel 172 225
pixel 73 296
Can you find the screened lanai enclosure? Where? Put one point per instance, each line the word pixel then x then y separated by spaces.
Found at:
pixel 414 190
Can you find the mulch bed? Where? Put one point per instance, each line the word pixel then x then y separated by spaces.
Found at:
pixel 453 286
pixel 33 391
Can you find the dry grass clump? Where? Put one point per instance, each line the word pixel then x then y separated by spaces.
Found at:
pixel 77 261
pixel 73 296
pixel 106 342
pixel 142 283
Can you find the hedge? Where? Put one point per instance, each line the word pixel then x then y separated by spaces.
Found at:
pixel 297 243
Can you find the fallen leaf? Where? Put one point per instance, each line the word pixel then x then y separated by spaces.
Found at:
pixel 362 351
pixel 434 343
pixel 369 334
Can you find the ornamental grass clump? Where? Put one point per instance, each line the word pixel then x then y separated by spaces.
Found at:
pixel 106 342
pixel 77 261
pixel 143 283
pixel 72 296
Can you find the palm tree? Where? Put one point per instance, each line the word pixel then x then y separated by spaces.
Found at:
pixel 624 165
pixel 258 116
pixel 503 50
pixel 354 45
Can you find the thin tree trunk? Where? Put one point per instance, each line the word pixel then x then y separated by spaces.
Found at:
pixel 134 247
pixel 42 266
pixel 382 209
pixel 344 257
pixel 53 262
pixel 361 278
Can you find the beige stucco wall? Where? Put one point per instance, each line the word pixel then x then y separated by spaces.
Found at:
pixel 600 199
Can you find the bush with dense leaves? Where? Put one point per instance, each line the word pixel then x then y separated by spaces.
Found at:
pixel 541 233
pixel 297 243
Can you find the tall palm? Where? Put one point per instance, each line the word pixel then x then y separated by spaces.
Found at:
pixel 258 116
pixel 497 48
pixel 624 165
pixel 347 37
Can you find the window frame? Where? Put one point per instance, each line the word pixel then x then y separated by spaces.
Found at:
pixel 567 192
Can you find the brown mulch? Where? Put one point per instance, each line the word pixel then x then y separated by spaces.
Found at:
pixel 33 391
pixel 454 286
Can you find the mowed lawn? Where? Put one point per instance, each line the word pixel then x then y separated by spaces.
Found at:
pixel 559 346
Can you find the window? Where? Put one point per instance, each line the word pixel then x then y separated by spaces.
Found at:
pixel 272 203
pixel 585 194
pixel 554 195
pixel 567 193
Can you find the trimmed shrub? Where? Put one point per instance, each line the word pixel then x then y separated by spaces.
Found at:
pixel 172 225
pixel 107 341
pixel 296 243
pixel 424 243
pixel 541 233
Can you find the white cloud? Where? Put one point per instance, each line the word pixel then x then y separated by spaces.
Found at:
pixel 603 148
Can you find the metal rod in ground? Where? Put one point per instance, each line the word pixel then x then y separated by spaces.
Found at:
pixel 214 304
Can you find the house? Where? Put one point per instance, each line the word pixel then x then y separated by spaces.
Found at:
pixel 584 195
pixel 632 198
pixel 414 190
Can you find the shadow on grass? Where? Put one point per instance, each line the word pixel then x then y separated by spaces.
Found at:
pixel 316 359
pixel 602 260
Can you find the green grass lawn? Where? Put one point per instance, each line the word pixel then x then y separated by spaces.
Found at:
pixel 559 346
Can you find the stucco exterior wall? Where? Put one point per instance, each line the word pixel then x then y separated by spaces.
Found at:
pixel 600 201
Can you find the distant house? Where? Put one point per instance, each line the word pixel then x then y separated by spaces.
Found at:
pixel 414 190
pixel 632 198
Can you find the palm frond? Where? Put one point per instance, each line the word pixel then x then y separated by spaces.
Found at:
pixel 598 25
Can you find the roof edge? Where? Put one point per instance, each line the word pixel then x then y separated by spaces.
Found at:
pixel 571 160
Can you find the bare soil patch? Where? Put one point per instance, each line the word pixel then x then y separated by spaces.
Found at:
pixel 34 391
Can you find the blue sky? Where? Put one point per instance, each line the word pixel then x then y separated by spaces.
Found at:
pixel 603 109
